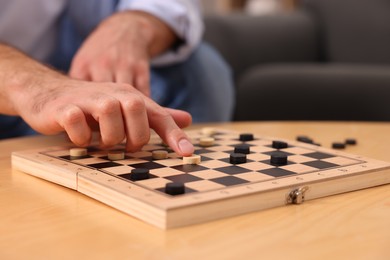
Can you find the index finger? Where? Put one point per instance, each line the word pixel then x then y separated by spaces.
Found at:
pixel 162 122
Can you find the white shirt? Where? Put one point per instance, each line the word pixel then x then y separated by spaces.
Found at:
pixel 32 25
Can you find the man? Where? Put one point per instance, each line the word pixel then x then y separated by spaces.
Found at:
pixel 108 47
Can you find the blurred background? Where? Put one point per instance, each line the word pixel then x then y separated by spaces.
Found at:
pixel 305 59
pixel 254 7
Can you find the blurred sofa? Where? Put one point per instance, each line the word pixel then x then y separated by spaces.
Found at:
pixel 328 60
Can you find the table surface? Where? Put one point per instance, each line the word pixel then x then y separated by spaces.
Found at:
pixel 41 220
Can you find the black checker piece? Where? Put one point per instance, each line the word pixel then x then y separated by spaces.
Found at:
pixel 277 172
pixel 232 170
pixel 318 155
pixel 234 145
pixel 269 162
pixel 281 152
pixel 227 160
pixel 189 167
pixel 70 158
pixel 127 176
pixel 184 178
pixel 104 165
pixel 186 190
pixel 229 180
pixel 320 164
pixel 147 165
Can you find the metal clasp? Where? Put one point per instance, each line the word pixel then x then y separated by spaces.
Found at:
pixel 297 196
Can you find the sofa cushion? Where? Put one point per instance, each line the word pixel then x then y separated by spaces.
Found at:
pixel 314 92
pixel 245 41
pixel 353 30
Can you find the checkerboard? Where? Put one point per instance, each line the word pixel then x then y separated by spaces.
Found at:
pixel 213 182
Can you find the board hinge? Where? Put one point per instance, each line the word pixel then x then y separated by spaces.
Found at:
pixel 297 195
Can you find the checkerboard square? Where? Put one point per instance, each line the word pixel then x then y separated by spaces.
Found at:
pixel 89 160
pixel 256 166
pixel 257 157
pixel 184 178
pixel 153 183
pixel 277 172
pixel 341 160
pixel 131 161
pixel 170 162
pixel 208 174
pixel 261 149
pixel 148 165
pixel 212 164
pixel 166 171
pixel 232 170
pixel 204 185
pixel 299 168
pixel 299 158
pixel 103 165
pixel 255 176
pixel 122 169
pixel 189 167
pixel 320 164
pixel 202 151
pixel 318 155
pixel 229 180
pixel 298 150
pixel 215 155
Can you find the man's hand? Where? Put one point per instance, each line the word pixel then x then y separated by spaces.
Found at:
pixel 120 48
pixel 118 110
pixel 51 103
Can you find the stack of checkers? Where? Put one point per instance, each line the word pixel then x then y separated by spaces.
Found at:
pixel 335 145
pixel 341 145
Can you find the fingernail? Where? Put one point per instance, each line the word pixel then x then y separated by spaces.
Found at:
pixel 186 147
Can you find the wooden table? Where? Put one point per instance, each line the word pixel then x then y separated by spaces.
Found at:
pixel 40 220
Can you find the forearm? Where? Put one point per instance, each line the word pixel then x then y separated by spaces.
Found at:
pixel 182 16
pixel 155 35
pixel 19 74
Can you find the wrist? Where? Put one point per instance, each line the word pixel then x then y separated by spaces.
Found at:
pixel 156 35
pixel 22 79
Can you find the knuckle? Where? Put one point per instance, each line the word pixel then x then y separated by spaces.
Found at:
pixel 143 66
pixel 126 64
pixel 109 106
pixel 160 113
pixel 106 61
pixel 134 104
pixel 72 115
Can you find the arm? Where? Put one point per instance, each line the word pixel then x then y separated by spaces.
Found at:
pixel 182 16
pixel 123 46
pixel 51 103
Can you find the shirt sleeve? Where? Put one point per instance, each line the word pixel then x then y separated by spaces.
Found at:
pixel 183 16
